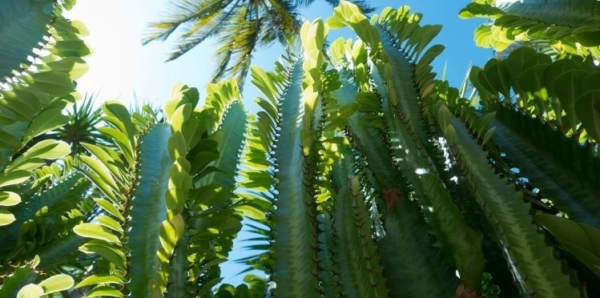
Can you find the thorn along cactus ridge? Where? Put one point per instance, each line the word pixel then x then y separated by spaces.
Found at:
pixel 360 176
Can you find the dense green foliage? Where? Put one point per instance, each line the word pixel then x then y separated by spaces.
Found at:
pixel 559 26
pixel 361 176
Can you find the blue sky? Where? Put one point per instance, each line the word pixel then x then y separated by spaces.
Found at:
pixel 121 68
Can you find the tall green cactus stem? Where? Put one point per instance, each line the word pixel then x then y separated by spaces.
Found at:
pixel 532 262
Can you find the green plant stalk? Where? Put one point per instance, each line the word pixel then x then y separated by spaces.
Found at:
pixel 360 270
pixel 148 210
pixel 460 242
pixel 538 162
pixel 534 267
pixel 405 228
pixel 293 254
pixel 231 141
pixel 26 211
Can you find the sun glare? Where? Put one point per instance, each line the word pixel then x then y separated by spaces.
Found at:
pixel 120 67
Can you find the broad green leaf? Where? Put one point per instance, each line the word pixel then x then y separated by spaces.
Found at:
pixel 474 74
pixel 429 33
pixel 46 121
pixel 121 140
pixel 74 26
pixel 481 79
pixel 490 37
pixel 430 55
pixel 476 9
pixel 481 124
pixel 68 4
pixel 591 82
pixel 254 209
pixel 582 240
pixel 32 98
pixel 95 231
pixel 100 169
pixel 202 160
pixel 555 70
pixel 104 291
pixel 178 148
pixel 9 141
pixel 589 39
pixel 180 116
pixel 46 149
pixel 171 230
pixel 587 107
pixel 102 186
pixel 242 291
pixel 110 223
pixel 71 48
pixel 267 107
pixel 192 96
pixel 499 77
pixel 8 198
pixel 118 110
pixel 359 53
pixel 19 277
pixel 532 82
pixel 568 89
pixel 73 66
pixel 99 279
pixel 261 80
pixel 209 196
pixel 31 291
pixel 14 177
pixel 515 62
pixel 536 60
pixel 488 134
pixel 104 155
pixel 19 110
pixel 110 208
pixel 105 250
pixel 54 83
pixel 444 116
pixel 57 283
pixel 214 225
pixel 335 23
pixel 6 217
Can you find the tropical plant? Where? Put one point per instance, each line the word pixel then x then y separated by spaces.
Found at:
pixel 361 176
pixel 81 127
pixel 564 25
pixel 240 27
pixel 41 199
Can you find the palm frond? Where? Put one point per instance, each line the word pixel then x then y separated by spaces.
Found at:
pixel 203 29
pixel 362 4
pixel 239 40
pixel 239 27
pixel 181 13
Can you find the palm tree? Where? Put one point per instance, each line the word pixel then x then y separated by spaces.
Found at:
pixel 240 26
